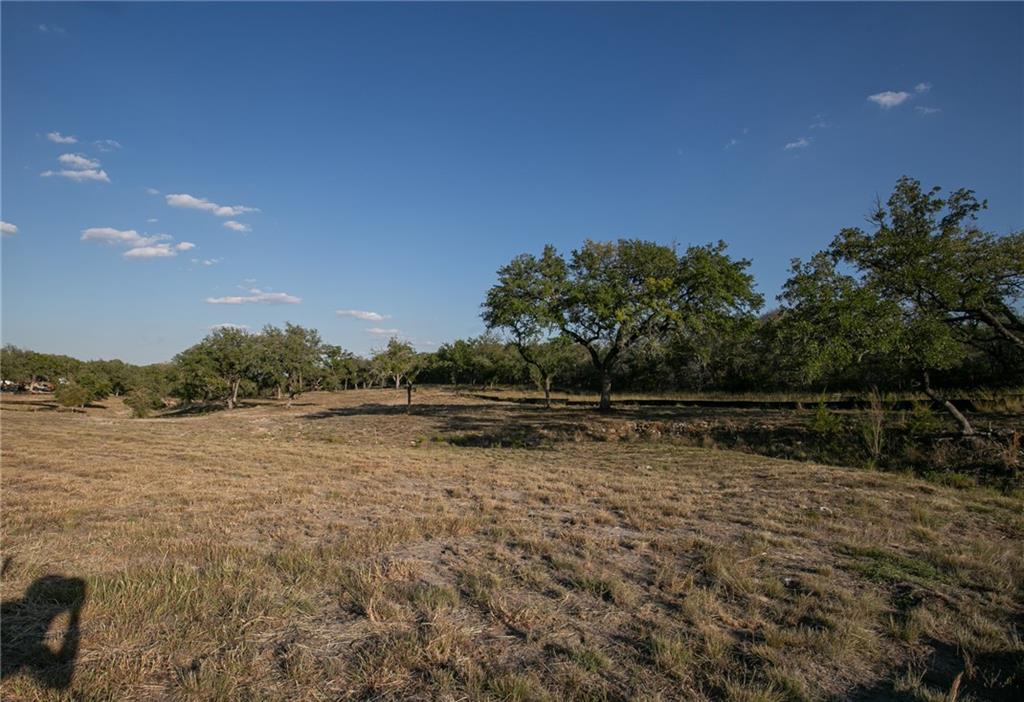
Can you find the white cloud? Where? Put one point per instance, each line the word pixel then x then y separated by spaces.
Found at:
pixel 78 162
pixel 139 246
pixel 8 229
pixel 364 315
pixel 922 88
pixel 921 109
pixel 155 251
pixel 256 296
pixel 820 124
pixel 78 168
pixel 201 203
pixel 152 191
pixel 151 220
pixel 801 143
pixel 731 143
pixel 107 144
pixel 79 176
pixel 127 237
pixel 377 331
pixel 237 226
pixel 47 28
pixel 229 325
pixel 58 138
pixel 889 98
pixel 207 261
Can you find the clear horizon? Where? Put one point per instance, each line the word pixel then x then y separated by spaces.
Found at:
pixel 365 169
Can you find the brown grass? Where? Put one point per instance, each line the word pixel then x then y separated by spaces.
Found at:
pixel 341 549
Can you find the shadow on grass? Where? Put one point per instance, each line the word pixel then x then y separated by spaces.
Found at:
pixel 483 426
pixel 995 676
pixel 24 631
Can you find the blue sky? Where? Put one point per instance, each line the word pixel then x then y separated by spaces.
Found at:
pixel 394 156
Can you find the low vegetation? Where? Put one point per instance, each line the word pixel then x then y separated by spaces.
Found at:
pixel 343 548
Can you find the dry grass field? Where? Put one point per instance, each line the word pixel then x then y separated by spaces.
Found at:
pixel 473 550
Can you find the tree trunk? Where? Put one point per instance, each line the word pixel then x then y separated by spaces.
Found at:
pixel 965 426
pixel 408 400
pixel 234 394
pixel 279 391
pixel 398 382
pixel 606 392
pixel 547 391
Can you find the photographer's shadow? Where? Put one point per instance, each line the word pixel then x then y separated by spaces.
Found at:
pixel 27 644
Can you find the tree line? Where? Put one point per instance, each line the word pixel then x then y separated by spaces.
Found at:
pixel 920 300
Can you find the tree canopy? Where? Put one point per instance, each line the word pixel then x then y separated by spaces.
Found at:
pixel 609 296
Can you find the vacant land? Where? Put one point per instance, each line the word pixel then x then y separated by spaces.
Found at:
pixel 341 548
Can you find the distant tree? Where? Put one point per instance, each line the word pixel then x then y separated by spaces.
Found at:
pixel 195 376
pixel 119 376
pixel 548 360
pixel 610 296
pixel 340 368
pixel 71 394
pixel 95 384
pixel 218 365
pixel 455 361
pixel 142 401
pixel 16 364
pixel 396 361
pixel 304 358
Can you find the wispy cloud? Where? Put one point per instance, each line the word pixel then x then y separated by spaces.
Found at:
pixel 138 245
pixel 256 296
pixel 78 161
pixel 78 168
pixel 237 226
pixel 377 331
pixel 58 138
pixel 151 220
pixel 921 109
pixel 8 229
pixel 152 191
pixel 922 88
pixel 206 261
pixel 155 251
pixel 200 203
pixel 735 141
pixel 229 325
pixel 127 237
pixel 50 29
pixel 364 315
pixel 819 122
pixel 107 144
pixel 889 98
pixel 801 143
pixel 79 176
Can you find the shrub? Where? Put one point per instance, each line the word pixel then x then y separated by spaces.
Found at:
pixel 873 428
pixel 142 401
pixel 826 424
pixel 72 395
pixel 922 421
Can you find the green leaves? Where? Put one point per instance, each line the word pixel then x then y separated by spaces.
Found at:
pixel 612 295
pixel 921 290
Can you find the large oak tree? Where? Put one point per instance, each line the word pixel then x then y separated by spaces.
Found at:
pixel 610 295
